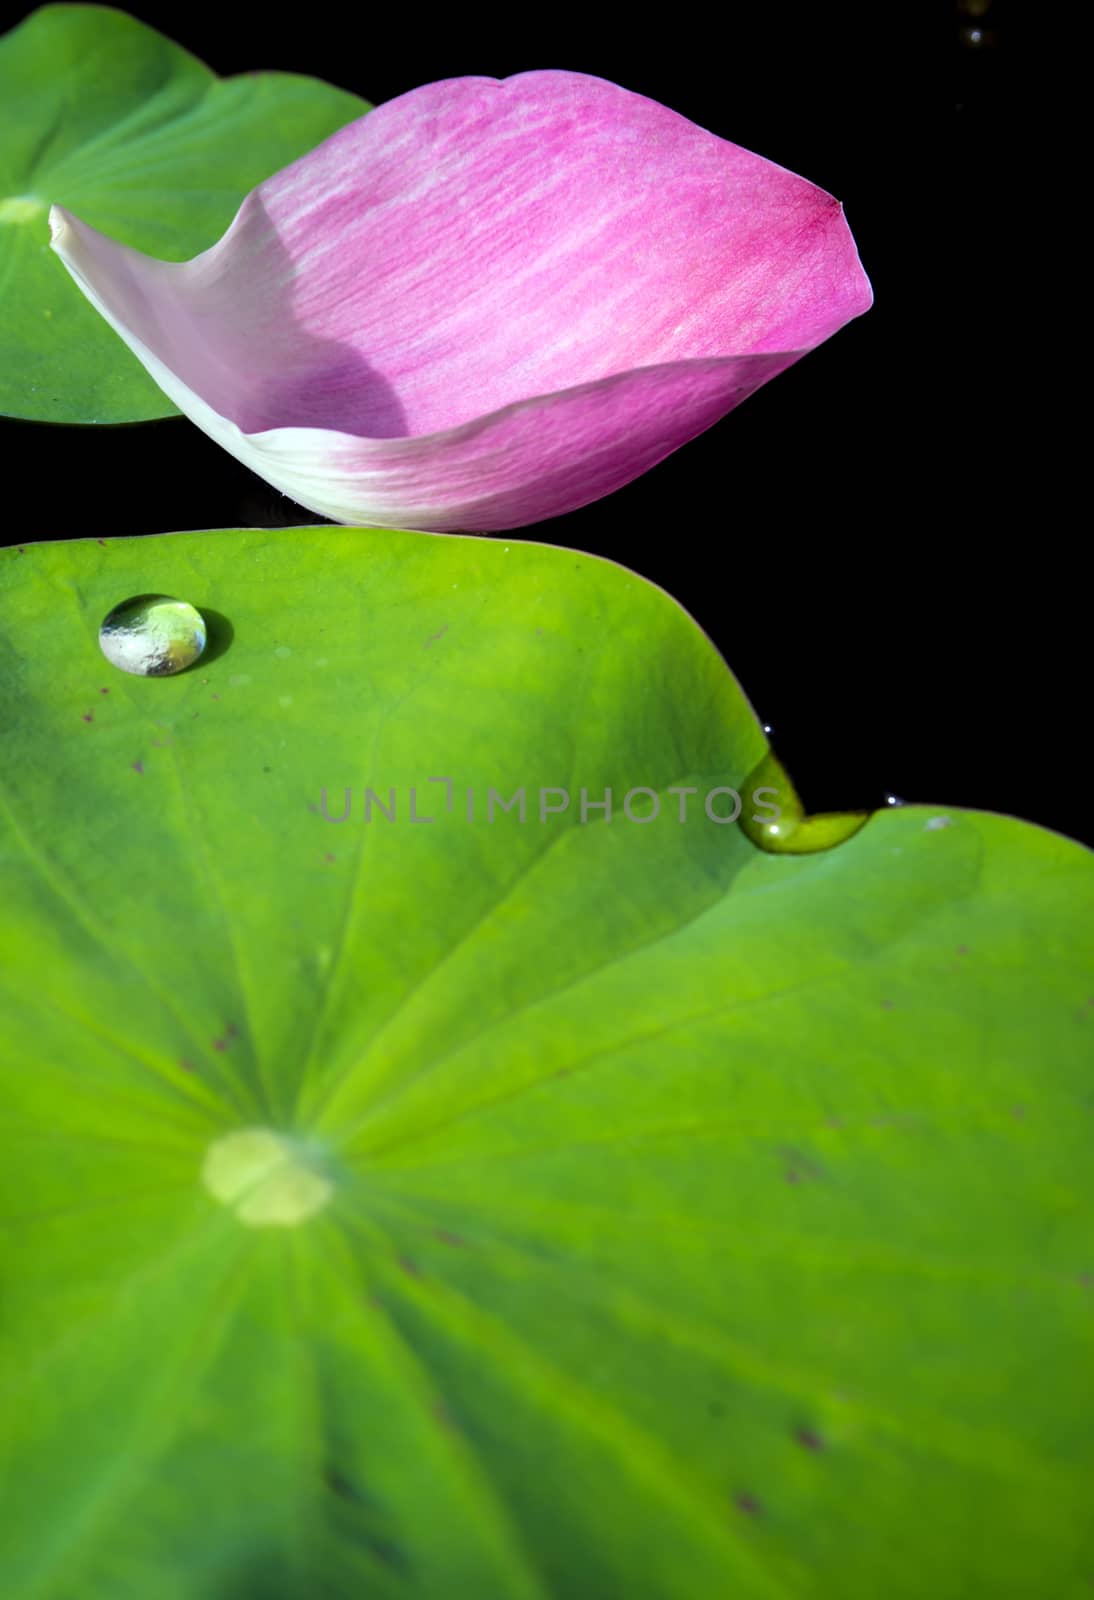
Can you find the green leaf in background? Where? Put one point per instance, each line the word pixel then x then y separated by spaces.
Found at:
pixel 509 1209
pixel 103 115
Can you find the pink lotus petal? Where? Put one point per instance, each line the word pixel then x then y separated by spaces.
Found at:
pixel 485 303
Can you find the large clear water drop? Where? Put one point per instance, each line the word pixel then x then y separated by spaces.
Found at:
pixel 152 635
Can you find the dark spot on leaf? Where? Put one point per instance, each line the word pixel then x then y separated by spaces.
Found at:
pixel 102 542
pixel 22 549
pixel 433 637
pixel 220 1044
pixel 138 766
pixel 409 1267
pixel 214 697
pixel 715 1408
pixel 747 1503
pixel 962 949
pixel 798 1167
pixel 89 716
pixel 375 1302
pixel 231 1031
pixel 267 769
pixel 538 632
pixel 1018 1111
pixel 808 1439
pixel 104 691
pixel 445 1237
pixel 329 857
pixel 1087 1280
pixel 313 808
pixel 186 1066
pixel 886 1005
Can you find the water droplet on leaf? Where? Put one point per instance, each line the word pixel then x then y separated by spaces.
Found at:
pixel 774 818
pixel 152 635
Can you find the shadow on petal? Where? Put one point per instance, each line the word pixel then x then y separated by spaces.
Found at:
pixel 283 375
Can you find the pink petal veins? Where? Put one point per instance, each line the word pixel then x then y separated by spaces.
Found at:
pixel 485 303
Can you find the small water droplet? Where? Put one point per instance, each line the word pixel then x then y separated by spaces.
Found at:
pixel 767 727
pixel 893 800
pixel 152 635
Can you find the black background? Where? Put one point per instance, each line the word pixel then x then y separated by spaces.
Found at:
pixel 858 538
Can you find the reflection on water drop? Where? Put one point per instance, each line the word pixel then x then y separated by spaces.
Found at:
pixel 152 635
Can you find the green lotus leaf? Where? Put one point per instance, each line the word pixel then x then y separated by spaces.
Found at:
pixel 500 1208
pixel 103 115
